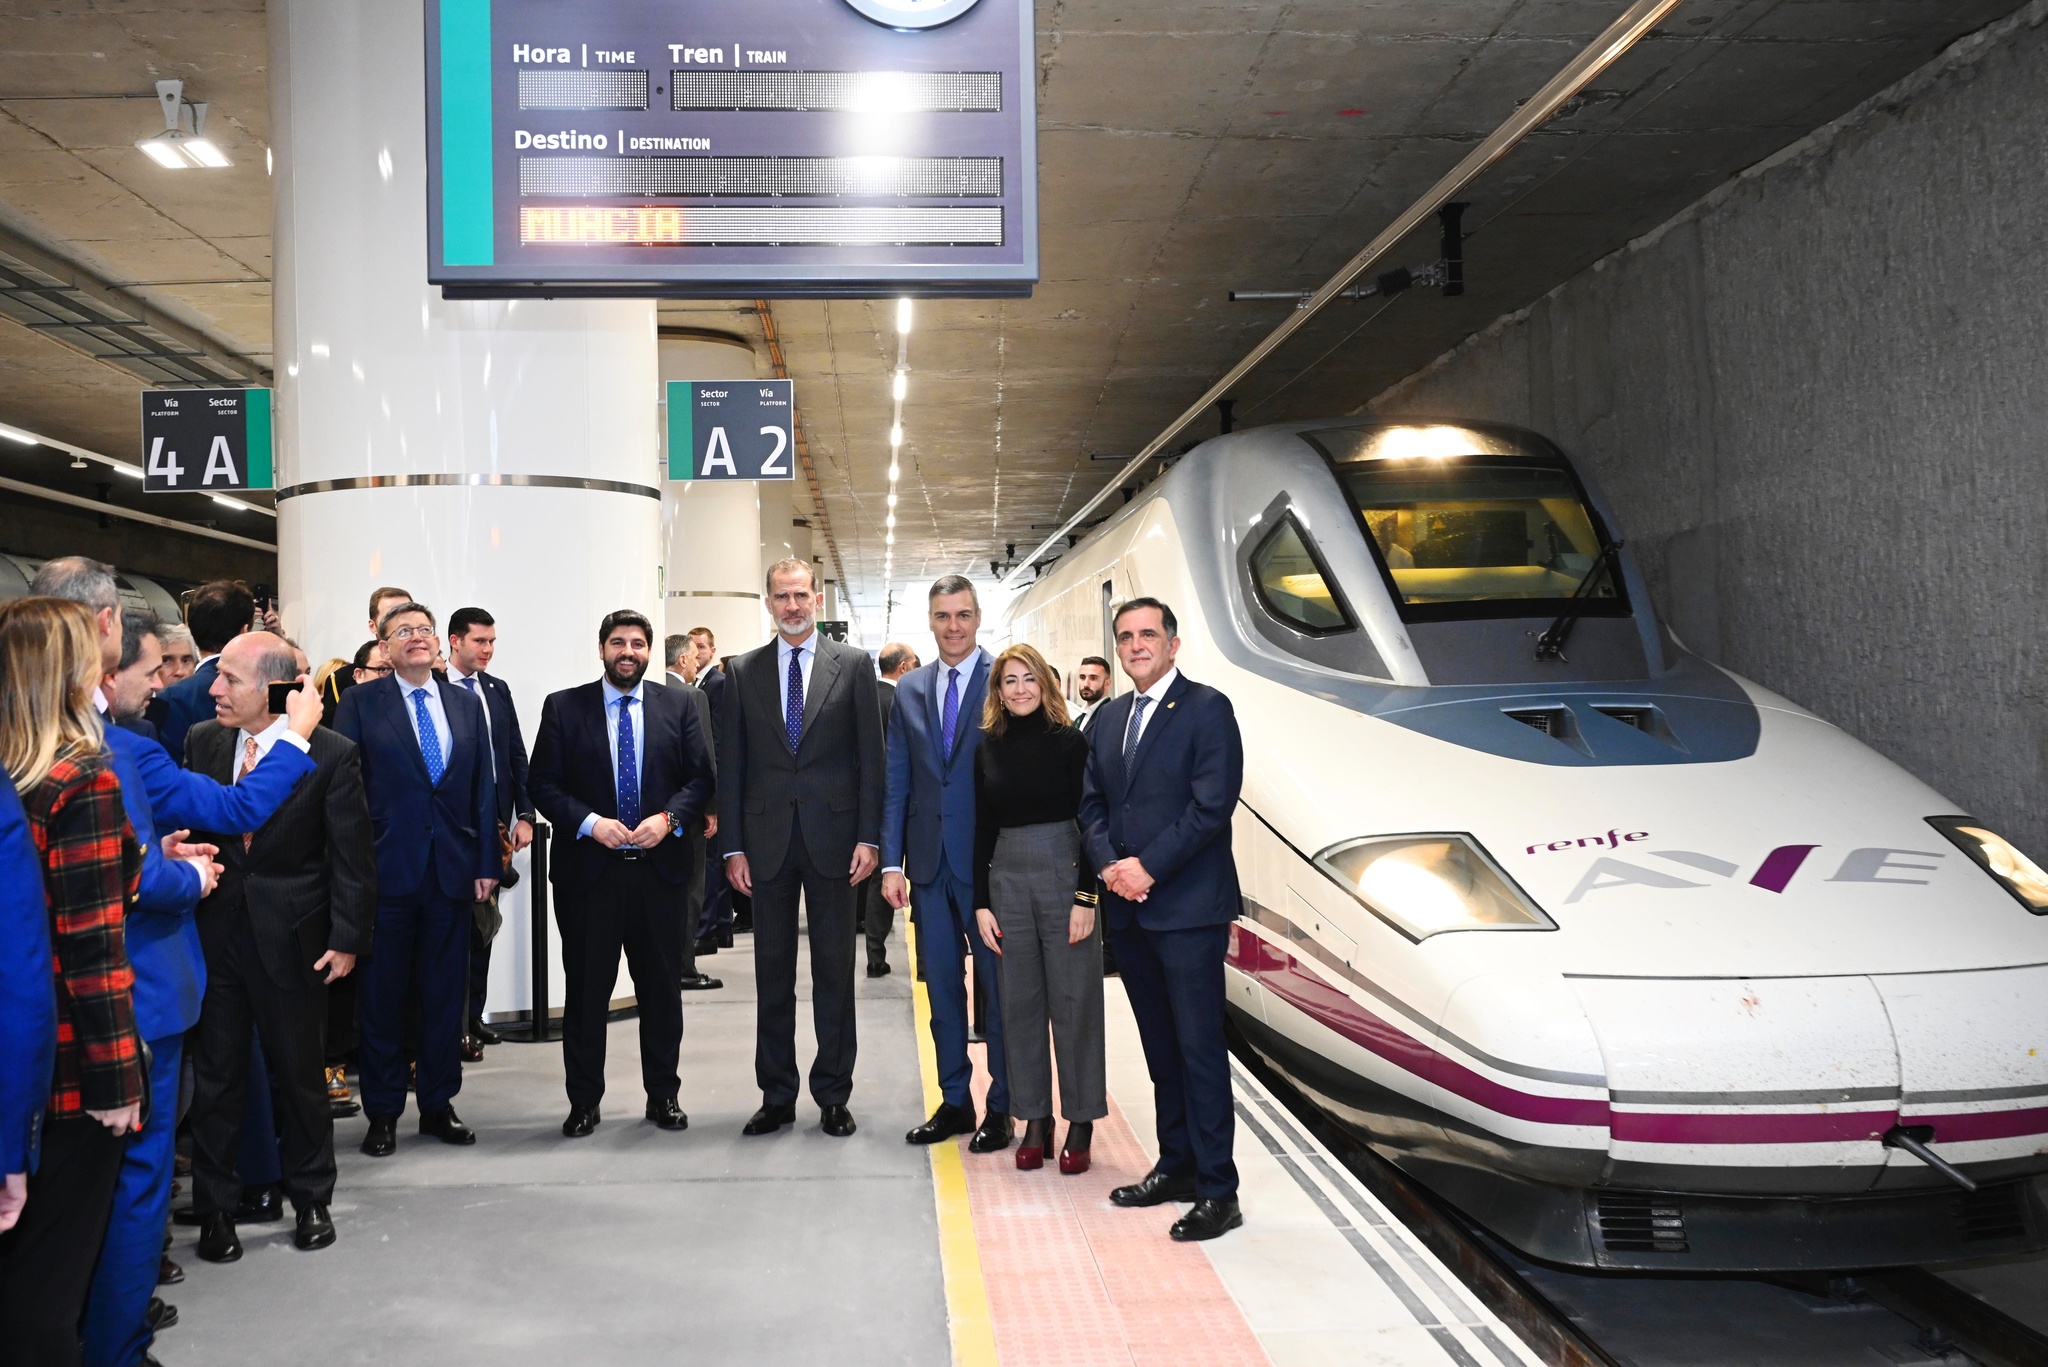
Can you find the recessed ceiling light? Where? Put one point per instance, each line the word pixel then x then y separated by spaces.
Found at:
pixel 899 386
pixel 903 315
pixel 16 434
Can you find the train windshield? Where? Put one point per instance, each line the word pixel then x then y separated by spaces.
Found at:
pixel 1481 534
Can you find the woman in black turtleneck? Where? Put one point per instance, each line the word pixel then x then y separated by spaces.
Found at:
pixel 1036 904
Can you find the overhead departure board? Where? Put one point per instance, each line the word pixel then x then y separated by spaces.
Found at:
pixel 731 148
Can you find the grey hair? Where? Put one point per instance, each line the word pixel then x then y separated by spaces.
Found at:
pixel 948 584
pixel 175 634
pixel 277 664
pixel 673 649
pixel 137 623
pixel 790 566
pixel 80 579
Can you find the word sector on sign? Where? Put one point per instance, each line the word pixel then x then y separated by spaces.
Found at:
pixel 737 430
pixel 807 148
pixel 205 440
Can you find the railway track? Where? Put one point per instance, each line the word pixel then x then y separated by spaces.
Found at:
pixel 1574 1318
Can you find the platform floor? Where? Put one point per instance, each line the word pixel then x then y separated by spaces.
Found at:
pixel 709 1246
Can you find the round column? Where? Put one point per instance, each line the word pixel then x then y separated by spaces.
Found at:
pixel 711 529
pixel 496 453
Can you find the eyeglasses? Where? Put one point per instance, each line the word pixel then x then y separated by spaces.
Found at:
pixel 375 669
pixel 409 633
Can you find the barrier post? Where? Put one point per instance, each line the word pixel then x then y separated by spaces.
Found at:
pixel 541 1028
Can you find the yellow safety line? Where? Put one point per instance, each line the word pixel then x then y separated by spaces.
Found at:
pixel 967 1312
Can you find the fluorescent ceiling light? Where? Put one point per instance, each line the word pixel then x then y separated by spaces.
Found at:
pixel 224 502
pixel 15 434
pixel 903 315
pixel 164 154
pixel 894 471
pixel 896 436
pixel 206 152
pixel 899 386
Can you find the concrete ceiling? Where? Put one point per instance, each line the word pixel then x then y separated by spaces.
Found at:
pixel 1187 148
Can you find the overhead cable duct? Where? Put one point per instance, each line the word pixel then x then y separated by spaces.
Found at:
pixel 1623 34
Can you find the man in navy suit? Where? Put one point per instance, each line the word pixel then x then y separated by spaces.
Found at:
pixel 1165 763
pixel 472 643
pixel 426 762
pixel 623 769
pixel 928 841
pixel 217 613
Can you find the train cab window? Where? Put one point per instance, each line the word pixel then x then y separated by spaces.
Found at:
pixel 1480 533
pixel 1293 585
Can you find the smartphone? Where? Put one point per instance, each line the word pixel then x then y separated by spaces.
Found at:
pixel 280 695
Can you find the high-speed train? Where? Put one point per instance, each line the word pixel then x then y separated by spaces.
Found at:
pixel 1635 962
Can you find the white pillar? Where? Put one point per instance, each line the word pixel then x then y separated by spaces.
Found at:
pixel 712 528
pixel 502 454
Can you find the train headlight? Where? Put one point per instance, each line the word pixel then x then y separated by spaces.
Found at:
pixel 1424 885
pixel 1997 856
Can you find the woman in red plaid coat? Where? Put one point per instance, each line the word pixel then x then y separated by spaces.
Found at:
pixel 51 747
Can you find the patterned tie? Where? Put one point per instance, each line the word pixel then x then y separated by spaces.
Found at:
pixel 629 768
pixel 793 714
pixel 248 763
pixel 949 716
pixel 430 739
pixel 1138 706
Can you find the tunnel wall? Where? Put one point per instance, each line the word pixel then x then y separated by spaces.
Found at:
pixel 1819 401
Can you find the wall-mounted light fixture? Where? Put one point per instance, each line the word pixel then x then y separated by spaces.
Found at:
pixel 183 142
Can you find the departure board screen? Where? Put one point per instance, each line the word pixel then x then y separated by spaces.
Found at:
pixel 731 148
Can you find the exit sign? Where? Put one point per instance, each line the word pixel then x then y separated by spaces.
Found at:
pixel 201 441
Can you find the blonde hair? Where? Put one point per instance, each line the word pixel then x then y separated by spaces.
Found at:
pixel 49 666
pixel 995 717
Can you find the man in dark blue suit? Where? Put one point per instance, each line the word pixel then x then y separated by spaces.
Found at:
pixel 434 807
pixel 928 842
pixel 472 644
pixel 1165 763
pixel 217 613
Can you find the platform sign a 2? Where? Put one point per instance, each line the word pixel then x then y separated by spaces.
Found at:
pixel 731 429
pixel 205 441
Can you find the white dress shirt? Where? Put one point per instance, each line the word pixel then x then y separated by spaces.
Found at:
pixel 1157 693
pixel 611 733
pixel 278 730
pixel 437 712
pixel 807 655
pixel 462 681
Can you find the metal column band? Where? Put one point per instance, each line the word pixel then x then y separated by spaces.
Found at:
pixel 713 593
pixel 599 486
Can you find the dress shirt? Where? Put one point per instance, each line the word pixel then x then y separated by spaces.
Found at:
pixel 1157 693
pixel 278 730
pixel 807 655
pixel 436 710
pixel 460 680
pixel 611 733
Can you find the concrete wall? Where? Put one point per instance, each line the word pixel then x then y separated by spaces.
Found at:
pixel 1819 400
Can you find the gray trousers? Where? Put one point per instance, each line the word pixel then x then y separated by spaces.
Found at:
pixel 1045 980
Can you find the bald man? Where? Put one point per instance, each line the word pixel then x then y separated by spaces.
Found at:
pixel 292 912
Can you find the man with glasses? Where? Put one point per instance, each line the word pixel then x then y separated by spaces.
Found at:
pixel 427 772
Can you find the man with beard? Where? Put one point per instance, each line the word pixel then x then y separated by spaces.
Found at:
pixel 1091 688
pixel 626 765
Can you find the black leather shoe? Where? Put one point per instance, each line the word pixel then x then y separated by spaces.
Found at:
pixel 769 1119
pixel 878 968
pixel 582 1120
pixel 707 945
pixel 484 1035
pixel 160 1314
pixel 315 1229
pixel 837 1121
pixel 667 1114
pixel 218 1242
pixel 188 1216
pixel 702 982
pixel 472 1049
pixel 994 1134
pixel 447 1127
pixel 947 1121
pixel 742 924
pixel 260 1205
pixel 382 1139
pixel 725 937
pixel 1207 1220
pixel 1155 1188
pixel 168 1273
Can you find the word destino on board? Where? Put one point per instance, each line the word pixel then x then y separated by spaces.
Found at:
pixel 731 148
pixel 200 441
pixel 731 429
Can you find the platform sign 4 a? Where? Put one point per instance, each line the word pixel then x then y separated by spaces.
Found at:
pixel 198 441
pixel 731 429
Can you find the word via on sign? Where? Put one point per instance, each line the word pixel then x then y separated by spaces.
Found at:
pixel 205 440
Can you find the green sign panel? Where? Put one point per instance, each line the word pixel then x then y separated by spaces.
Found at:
pixel 205 441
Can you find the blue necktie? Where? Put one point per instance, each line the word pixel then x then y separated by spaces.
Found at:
pixel 629 768
pixel 793 713
pixel 949 717
pixel 430 739
pixel 1138 706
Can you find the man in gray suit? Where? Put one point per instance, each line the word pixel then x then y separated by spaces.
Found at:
pixel 896 660
pixel 800 813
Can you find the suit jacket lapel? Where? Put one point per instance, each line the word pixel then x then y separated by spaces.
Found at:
pixel 456 729
pixel 824 670
pixel 970 701
pixel 401 725
pixel 1161 715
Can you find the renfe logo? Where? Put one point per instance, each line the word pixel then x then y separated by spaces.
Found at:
pixel 1868 864
pixel 1612 840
